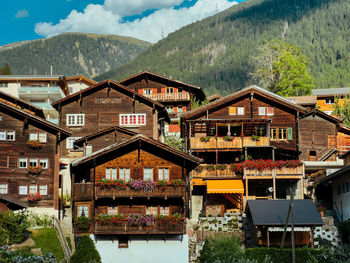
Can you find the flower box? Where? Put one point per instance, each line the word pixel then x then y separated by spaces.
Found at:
pixel 33 198
pixel 34 144
pixel 34 170
pixel 83 223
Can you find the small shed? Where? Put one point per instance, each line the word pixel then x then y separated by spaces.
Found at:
pixel 266 220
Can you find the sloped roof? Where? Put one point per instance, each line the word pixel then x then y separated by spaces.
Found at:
pixel 304 100
pixel 22 104
pixel 323 115
pixel 330 92
pixel 14 201
pixel 195 89
pixel 35 119
pixel 97 134
pixel 81 78
pixel 114 85
pixel 274 212
pixel 255 89
pixel 343 171
pixel 214 97
pixel 141 139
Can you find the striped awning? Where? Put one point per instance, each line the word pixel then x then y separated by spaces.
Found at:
pixel 225 186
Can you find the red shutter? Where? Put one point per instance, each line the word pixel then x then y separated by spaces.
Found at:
pixel 140 91
pixel 175 109
pixel 162 90
pixel 155 91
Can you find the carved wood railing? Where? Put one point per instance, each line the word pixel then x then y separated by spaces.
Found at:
pixel 168 96
pixel 168 191
pixel 205 170
pixel 284 171
pixel 154 228
pixel 220 143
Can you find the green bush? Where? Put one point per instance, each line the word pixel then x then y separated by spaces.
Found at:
pixel 85 252
pixel 344 228
pixel 221 249
pixel 13 228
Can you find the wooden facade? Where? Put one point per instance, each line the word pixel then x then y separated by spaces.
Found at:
pixel 144 159
pixel 17 128
pixel 175 95
pixel 249 124
pixel 104 105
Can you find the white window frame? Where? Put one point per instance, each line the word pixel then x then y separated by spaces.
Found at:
pixel 152 210
pixel 43 189
pixel 112 210
pixel 240 110
pixel 3 188
pixel 23 189
pixel 42 136
pixel 33 136
pixel 127 119
pixel 9 133
pixel 33 160
pixel 163 173
pixel 111 173
pixel 164 210
pixel 2 135
pixel 147 91
pixel 70 142
pixel 44 161
pixel 33 189
pixel 272 109
pixel 82 208
pixel 124 173
pixel 148 174
pixel 24 161
pixel 170 109
pixel 75 119
pixel 262 111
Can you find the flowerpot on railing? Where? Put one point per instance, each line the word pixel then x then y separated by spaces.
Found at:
pixel 34 144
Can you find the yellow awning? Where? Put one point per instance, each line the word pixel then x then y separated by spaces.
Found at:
pixel 225 186
pixel 197 181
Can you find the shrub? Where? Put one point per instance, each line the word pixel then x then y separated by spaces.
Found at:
pixel 83 223
pixel 13 228
pixel 86 252
pixel 344 228
pixel 221 249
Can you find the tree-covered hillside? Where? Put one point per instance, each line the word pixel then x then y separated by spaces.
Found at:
pixel 215 53
pixel 71 53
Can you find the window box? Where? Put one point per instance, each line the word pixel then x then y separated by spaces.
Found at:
pixel 33 198
pixel 34 144
pixel 83 223
pixel 34 170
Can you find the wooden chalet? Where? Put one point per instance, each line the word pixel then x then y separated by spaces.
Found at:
pixel 175 95
pixel 266 220
pixel 252 123
pixel 136 160
pixel 29 155
pixel 101 139
pixel 105 104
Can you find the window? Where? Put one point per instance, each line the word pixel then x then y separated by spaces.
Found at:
pixel 107 100
pixel 269 111
pixel 70 142
pixel 83 210
pixel 170 109
pixel 232 110
pixel 282 133
pixel 33 162
pixel 44 163
pixel 124 173
pixel 33 189
pixel 262 111
pixel 23 190
pixel 273 133
pixel 147 91
pixel 132 119
pixel 169 90
pixel 240 110
pixel 111 173
pixel 164 211
pixel 3 85
pixel 75 119
pixel 10 135
pixel 123 241
pixel 260 130
pixel 23 163
pixel 33 136
pixel 42 137
pixel 98 101
pixel 329 101
pixel 112 210
pixel 43 189
pixel 148 174
pixel 3 189
pixel 2 135
pixel 152 210
pixel 347 187
pixel 179 109
pixel 163 174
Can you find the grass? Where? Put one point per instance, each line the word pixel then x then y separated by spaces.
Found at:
pixel 69 243
pixel 47 240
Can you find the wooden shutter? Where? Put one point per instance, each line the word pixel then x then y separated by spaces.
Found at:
pixel 290 134
pixel 232 110
pixel 154 91
pixel 140 91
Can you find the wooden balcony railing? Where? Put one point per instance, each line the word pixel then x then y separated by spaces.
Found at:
pixel 154 228
pixel 205 170
pixel 168 191
pixel 82 191
pixel 169 96
pixel 220 143
pixel 297 171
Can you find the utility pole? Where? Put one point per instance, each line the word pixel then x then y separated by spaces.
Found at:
pixel 290 214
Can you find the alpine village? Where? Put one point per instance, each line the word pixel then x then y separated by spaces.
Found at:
pixel 158 161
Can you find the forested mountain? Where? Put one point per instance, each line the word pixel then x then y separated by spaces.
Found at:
pixel 215 53
pixel 71 53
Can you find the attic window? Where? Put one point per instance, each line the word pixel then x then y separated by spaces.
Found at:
pixel 123 242
pixel 329 101
pixel 312 153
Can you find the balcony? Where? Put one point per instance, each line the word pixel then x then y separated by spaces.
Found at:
pixel 168 191
pixel 220 143
pixel 154 228
pixel 176 96
pixel 82 191
pixel 205 171
pixel 283 172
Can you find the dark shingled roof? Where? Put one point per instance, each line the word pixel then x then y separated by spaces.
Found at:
pixel 274 212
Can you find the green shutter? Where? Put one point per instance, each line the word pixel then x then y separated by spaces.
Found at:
pixel 290 134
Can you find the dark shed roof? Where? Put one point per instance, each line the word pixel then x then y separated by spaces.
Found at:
pixel 274 212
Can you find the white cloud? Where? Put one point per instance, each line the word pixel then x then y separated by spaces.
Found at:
pixel 22 13
pixel 104 20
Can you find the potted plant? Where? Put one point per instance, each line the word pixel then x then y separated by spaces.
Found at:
pixel 34 144
pixel 205 139
pixel 83 223
pixel 142 185
pixel 228 138
pixel 221 167
pixel 162 184
pixel 177 182
pixel 34 170
pixel 33 198
pixel 255 138
pixel 210 167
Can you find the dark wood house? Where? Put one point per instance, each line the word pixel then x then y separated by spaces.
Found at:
pixel 29 154
pixel 231 134
pixel 175 95
pixel 153 180
pixel 105 104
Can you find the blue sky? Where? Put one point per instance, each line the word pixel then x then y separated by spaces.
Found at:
pixel 144 19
